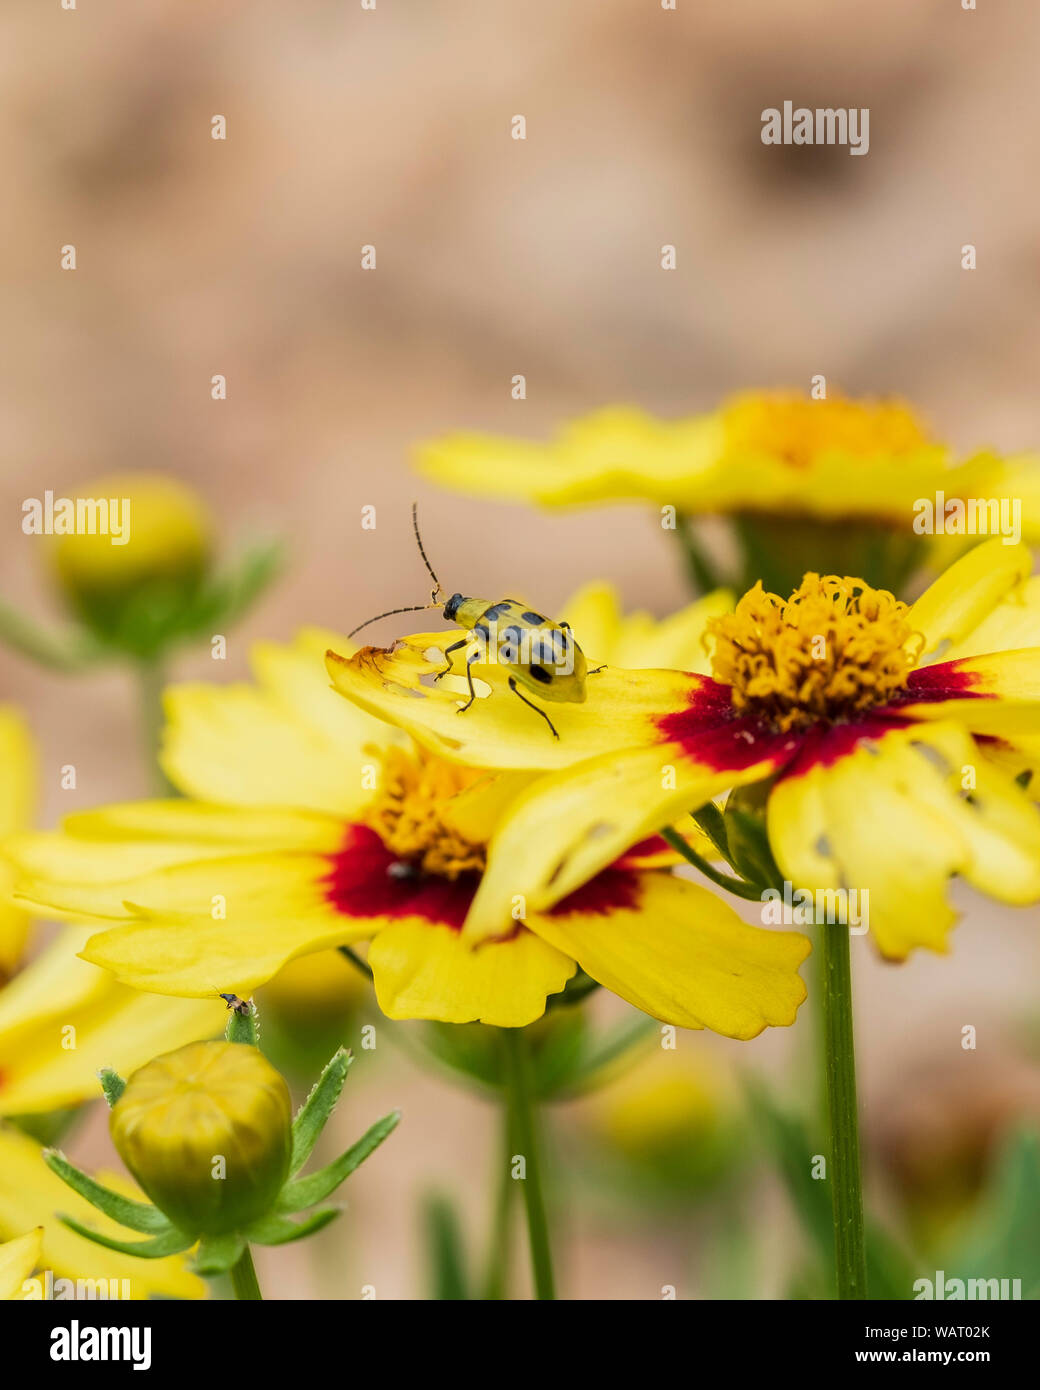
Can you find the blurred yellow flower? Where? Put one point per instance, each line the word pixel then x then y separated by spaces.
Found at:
pixel 62 1020
pixel 17 804
pixel 835 484
pixel 759 452
pixel 31 1195
pixel 18 1258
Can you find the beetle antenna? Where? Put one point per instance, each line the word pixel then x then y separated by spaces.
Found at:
pixel 412 608
pixel 422 552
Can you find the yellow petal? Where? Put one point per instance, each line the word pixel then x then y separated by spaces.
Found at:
pixel 1016 477
pixel 62 1020
pixel 236 886
pixel 997 694
pixel 286 742
pixel 617 452
pixel 426 971
pixel 885 816
pixel 30 1194
pixel 964 596
pixel 18 1258
pixel 683 955
pixel 499 731
pixel 18 779
pixel 568 825
pixel 1014 623
pixel 116 844
pixel 198 958
pixel 474 812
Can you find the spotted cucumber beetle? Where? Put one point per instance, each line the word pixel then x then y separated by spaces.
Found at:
pixel 243 1007
pixel 540 655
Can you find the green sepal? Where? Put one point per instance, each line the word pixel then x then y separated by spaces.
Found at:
pixel 137 1216
pixel 747 836
pixel 171 1242
pixel 304 1192
pixel 243 1028
pixel 216 1254
pixel 279 1230
pixel 112 1084
pixel 598 1056
pixel 317 1108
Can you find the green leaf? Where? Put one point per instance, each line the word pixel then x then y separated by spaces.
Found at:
pixel 112 1084
pixel 1002 1239
pixel 138 1216
pixel 709 819
pixel 738 886
pixel 318 1106
pixel 218 1253
pixel 444 1250
pixel 889 1269
pixel 171 1242
pixel 61 651
pixel 279 1230
pixel 304 1192
pixel 633 1032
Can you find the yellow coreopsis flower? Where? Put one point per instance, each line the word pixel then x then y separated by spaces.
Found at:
pixel 805 481
pixel 310 824
pixel 877 731
pixel 759 452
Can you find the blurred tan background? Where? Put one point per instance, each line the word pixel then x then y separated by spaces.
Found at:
pixel 497 257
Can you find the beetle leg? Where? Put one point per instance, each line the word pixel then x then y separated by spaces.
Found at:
pixel 596 670
pixel 532 705
pixel 453 648
pixel 469 676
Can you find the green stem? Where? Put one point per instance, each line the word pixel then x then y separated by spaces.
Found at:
pixel 356 961
pixel 243 1278
pixel 751 891
pixel 496 1274
pixel 520 1099
pixel 840 1062
pixel 703 575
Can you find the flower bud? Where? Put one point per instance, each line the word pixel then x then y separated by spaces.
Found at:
pixel 207 1132
pixel 148 547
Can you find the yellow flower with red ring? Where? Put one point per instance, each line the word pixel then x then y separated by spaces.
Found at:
pixel 883 753
pixel 309 824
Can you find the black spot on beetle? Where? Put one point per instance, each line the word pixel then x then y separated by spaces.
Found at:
pixel 540 674
pixel 532 617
